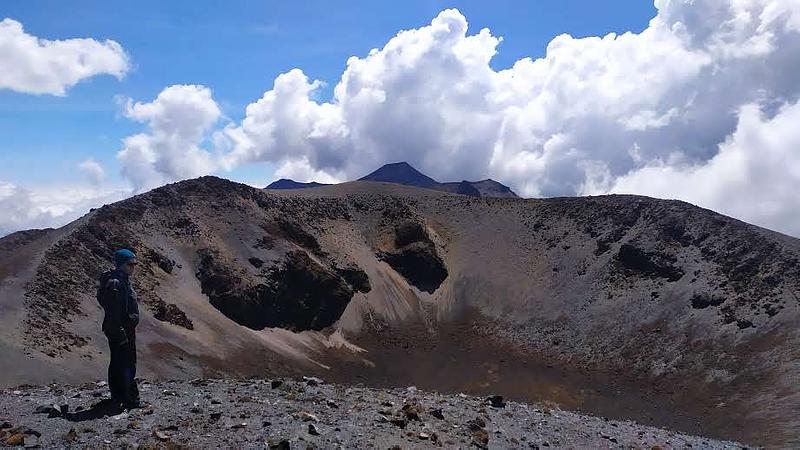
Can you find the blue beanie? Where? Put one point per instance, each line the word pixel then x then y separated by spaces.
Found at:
pixel 122 256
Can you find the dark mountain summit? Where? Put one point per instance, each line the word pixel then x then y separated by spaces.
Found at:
pixel 483 188
pixel 405 174
pixel 285 183
pixel 401 173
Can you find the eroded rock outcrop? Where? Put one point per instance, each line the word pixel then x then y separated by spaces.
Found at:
pixel 298 294
pixel 415 257
pixel 634 260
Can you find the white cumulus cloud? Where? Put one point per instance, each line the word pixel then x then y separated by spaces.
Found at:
pixel 700 105
pixel 93 170
pixel 588 117
pixel 34 65
pixel 51 206
pixel 178 121
pixel 755 174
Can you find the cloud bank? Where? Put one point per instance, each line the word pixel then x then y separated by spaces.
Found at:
pixel 700 106
pixel 50 206
pixel 755 175
pixel 33 65
pixel 681 102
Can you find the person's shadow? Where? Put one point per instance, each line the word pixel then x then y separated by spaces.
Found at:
pixel 100 409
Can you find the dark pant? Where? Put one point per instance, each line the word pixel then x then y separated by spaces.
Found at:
pixel 122 370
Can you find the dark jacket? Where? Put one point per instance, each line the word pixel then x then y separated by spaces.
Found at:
pixel 118 299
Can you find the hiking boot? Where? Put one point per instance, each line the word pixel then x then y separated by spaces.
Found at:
pixel 133 404
pixel 112 408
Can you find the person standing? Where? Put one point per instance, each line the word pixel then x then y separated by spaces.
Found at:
pixel 118 299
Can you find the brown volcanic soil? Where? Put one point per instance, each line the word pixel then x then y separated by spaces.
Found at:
pixel 623 306
pixel 451 363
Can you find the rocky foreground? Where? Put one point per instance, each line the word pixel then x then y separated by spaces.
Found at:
pixel 306 413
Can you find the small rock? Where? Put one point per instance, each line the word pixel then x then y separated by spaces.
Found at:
pixel 496 401
pixel 312 381
pixel 16 439
pixel 307 417
pixel 312 430
pixel 160 435
pixel 480 439
pixel 424 436
pixel 31 441
pixel 331 404
pixel 50 410
pixel 276 384
pixel 411 411
pixel 437 413
pixel 71 436
pixel 215 416
pixel 399 422
pixel 610 438
pixel 239 425
pixel 476 424
pixel 282 445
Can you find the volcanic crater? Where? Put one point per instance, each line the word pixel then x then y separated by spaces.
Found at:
pixel 622 306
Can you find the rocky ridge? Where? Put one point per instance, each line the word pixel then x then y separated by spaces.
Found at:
pixel 621 306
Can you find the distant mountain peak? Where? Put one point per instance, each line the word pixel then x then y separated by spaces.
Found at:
pixel 285 183
pixel 406 174
pixel 401 173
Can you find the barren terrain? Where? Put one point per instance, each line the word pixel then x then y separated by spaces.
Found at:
pixel 620 306
pixel 285 414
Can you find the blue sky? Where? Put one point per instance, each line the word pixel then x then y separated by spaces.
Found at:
pixel 678 99
pixel 237 49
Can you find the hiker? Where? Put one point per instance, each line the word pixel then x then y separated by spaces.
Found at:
pixel 118 299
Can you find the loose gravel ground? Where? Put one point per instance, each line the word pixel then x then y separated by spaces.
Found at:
pixel 308 413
